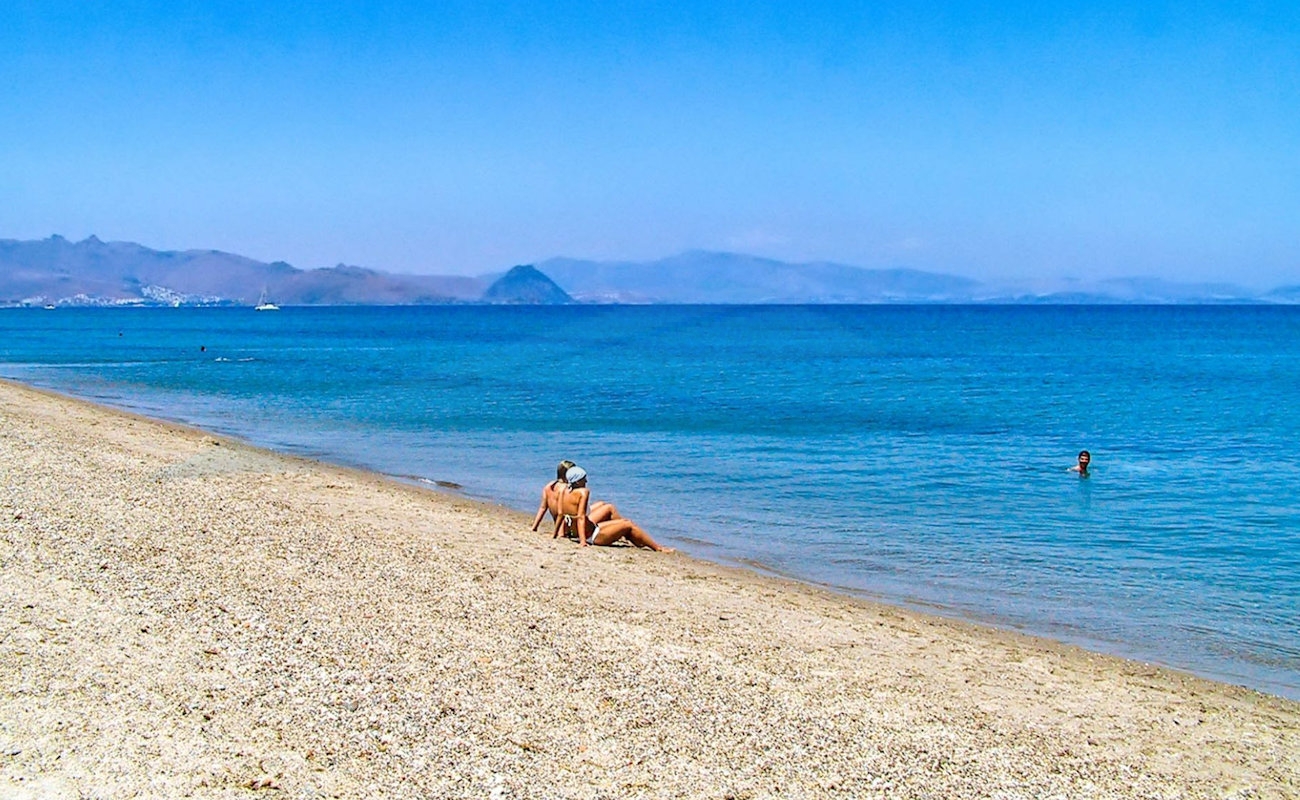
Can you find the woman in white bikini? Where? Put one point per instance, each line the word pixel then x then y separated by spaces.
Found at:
pixel 600 511
pixel 574 501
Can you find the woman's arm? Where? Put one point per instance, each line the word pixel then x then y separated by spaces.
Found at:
pixel 541 509
pixel 584 496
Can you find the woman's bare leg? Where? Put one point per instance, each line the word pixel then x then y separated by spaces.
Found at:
pixel 616 529
pixel 602 511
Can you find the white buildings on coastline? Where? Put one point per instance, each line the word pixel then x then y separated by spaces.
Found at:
pixel 150 296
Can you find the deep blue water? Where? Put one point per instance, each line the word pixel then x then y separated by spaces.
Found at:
pixel 912 454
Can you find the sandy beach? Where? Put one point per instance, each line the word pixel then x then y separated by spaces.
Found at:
pixel 182 615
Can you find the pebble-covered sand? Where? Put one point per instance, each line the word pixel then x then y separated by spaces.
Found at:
pixel 186 616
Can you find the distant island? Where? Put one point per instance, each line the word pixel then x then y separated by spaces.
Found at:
pixel 58 272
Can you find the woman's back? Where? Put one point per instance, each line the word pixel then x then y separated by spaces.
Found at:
pixel 570 500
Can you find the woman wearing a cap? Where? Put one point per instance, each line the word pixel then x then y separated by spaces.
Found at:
pixel 574 500
pixel 599 511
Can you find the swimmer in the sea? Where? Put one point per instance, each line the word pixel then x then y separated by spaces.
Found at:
pixel 1085 458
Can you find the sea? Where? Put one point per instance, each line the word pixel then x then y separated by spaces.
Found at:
pixel 916 455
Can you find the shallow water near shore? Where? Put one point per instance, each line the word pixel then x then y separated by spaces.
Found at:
pixel 912 454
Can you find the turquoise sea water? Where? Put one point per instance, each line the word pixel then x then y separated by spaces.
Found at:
pixel 912 454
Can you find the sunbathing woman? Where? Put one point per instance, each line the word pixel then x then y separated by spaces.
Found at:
pixel 600 511
pixel 551 495
pixel 574 500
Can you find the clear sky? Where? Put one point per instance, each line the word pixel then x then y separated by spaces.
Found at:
pixel 981 139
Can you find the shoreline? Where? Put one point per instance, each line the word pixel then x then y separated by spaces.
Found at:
pixel 236 617
pixel 453 489
pixel 980 619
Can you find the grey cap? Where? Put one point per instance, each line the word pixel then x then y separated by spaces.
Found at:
pixel 574 474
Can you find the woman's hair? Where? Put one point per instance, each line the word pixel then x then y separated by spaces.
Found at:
pixel 563 468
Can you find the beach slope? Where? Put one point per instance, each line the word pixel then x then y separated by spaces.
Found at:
pixel 184 615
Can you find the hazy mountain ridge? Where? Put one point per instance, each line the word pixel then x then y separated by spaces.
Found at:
pixel 707 277
pixel 1284 294
pixel 93 272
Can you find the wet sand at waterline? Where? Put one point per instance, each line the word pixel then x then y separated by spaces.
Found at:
pixel 184 615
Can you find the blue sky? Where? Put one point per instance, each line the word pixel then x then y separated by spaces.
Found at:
pixel 984 139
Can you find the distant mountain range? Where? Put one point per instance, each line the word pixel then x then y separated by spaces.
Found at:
pixel 706 277
pixel 56 271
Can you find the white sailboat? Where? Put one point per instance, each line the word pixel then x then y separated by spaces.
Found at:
pixel 265 305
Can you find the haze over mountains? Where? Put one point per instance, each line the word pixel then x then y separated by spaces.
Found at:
pixel 706 277
pixel 56 271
